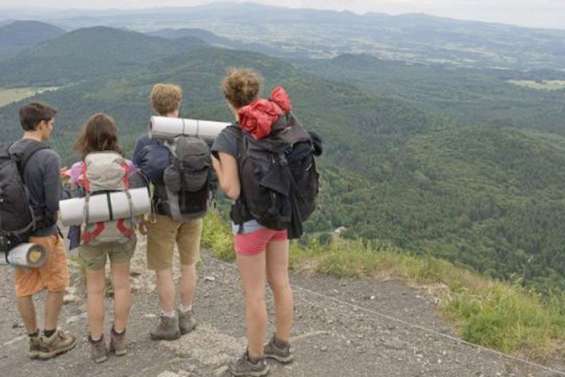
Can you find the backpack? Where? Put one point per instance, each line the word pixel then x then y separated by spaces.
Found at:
pixel 188 180
pixel 18 219
pixel 104 173
pixel 279 178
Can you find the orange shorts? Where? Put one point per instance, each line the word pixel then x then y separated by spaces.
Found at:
pixel 53 275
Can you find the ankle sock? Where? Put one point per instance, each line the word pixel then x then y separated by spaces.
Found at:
pixel 49 333
pixel 118 333
pixel 185 309
pixel 168 314
pixel 91 339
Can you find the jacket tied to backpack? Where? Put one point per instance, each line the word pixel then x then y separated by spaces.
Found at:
pixel 277 166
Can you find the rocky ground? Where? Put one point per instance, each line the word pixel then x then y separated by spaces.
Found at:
pixel 343 328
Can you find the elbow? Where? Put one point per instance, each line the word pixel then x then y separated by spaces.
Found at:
pixel 232 192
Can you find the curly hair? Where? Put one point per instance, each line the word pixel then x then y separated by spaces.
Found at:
pixel 166 98
pixel 241 86
pixel 98 134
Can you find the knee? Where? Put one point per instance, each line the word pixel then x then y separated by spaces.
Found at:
pixel 279 284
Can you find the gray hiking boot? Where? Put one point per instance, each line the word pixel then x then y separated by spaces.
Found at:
pixel 118 343
pixel 98 351
pixel 34 347
pixel 187 323
pixel 281 353
pixel 244 367
pixel 58 343
pixel 167 329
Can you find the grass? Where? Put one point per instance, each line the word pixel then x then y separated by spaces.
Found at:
pixel 494 314
pixel 10 95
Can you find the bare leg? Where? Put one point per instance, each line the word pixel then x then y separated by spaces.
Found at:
pixel 253 277
pixel 122 295
pixel 188 284
pixel 53 305
pixel 166 288
pixel 277 274
pixel 95 286
pixel 27 312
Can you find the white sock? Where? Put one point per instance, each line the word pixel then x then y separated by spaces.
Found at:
pixel 168 314
pixel 185 309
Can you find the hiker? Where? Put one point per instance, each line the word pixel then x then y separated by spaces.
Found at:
pixel 40 168
pixel 180 199
pixel 103 169
pixel 261 251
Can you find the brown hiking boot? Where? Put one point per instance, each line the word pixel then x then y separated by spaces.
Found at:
pixel 98 351
pixel 118 343
pixel 34 347
pixel 279 352
pixel 245 367
pixel 167 329
pixel 58 343
pixel 187 323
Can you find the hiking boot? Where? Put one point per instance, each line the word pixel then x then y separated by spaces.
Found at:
pixel 118 343
pixel 167 329
pixel 187 323
pixel 98 351
pixel 282 354
pixel 34 347
pixel 58 343
pixel 244 367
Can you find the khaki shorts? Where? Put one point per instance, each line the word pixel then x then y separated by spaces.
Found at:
pixel 94 257
pixel 53 275
pixel 164 233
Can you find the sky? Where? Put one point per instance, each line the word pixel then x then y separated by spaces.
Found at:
pixel 533 13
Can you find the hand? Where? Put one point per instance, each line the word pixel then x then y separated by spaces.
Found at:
pixel 142 228
pixel 64 175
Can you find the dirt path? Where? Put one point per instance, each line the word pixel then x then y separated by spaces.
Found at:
pixel 343 328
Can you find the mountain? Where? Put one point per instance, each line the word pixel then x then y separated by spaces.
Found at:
pixel 486 197
pixel 87 53
pixel 18 35
pixel 472 96
pixel 317 33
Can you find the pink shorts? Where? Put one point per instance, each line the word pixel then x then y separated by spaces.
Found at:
pixel 256 242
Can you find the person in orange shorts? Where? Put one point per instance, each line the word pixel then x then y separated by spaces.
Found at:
pixel 40 173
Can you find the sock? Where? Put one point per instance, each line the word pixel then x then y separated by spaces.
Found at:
pixel 118 333
pixel 34 334
pixel 95 340
pixel 185 309
pixel 49 333
pixel 168 314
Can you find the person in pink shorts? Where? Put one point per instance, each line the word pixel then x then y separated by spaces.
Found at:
pixel 262 253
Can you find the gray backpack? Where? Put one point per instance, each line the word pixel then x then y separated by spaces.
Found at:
pixel 104 173
pixel 188 181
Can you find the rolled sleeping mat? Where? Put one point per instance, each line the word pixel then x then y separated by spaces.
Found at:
pixel 166 128
pixel 105 207
pixel 25 255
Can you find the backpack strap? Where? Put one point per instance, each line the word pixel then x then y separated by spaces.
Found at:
pixel 28 153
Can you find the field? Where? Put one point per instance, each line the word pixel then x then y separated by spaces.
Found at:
pixel 540 85
pixel 10 95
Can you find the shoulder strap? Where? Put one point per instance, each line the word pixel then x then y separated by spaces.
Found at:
pixel 28 153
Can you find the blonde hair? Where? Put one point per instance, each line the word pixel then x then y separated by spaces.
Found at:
pixel 241 86
pixel 166 98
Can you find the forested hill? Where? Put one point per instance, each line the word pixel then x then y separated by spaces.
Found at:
pixel 490 198
pixel 18 35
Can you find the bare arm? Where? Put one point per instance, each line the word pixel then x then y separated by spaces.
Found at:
pixel 228 175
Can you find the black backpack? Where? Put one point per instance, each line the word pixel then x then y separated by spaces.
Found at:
pixel 279 178
pixel 17 217
pixel 188 180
